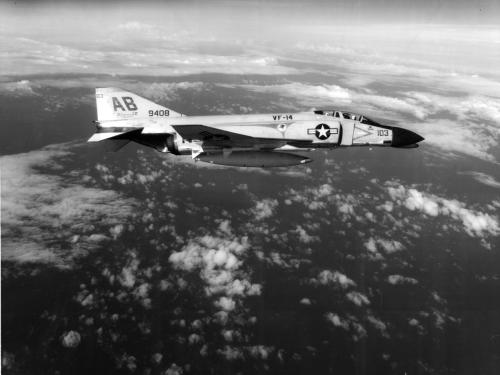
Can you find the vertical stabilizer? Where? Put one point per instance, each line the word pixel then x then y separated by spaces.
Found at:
pixel 114 104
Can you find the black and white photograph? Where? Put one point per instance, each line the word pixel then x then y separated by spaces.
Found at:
pixel 250 187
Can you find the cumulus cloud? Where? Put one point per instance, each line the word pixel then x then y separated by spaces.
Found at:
pixel 264 208
pixel 304 237
pixel 336 320
pixel 174 370
pixel 359 299
pixel 351 324
pixel 399 279
pixel 128 275
pixel 327 277
pixel 388 246
pixel 314 198
pixel 71 339
pixel 116 231
pixel 231 353
pixel 39 207
pixel 417 201
pixel 475 223
pixel 226 304
pixel 260 351
pixel 218 261
pixel 211 252
pixel 378 324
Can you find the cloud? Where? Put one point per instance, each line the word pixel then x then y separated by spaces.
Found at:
pixel 378 324
pixel 17 88
pixel 173 370
pixel 336 320
pixel 127 277
pixel 374 245
pixel 456 138
pixel 71 339
pixel 351 323
pixel 221 254
pixel 314 198
pixel 264 208
pixel 261 352
pixel 304 237
pixel 162 92
pixel 337 97
pixel 381 53
pixel 359 299
pixel 417 201
pixel 390 246
pixel 141 30
pixel 231 353
pixel 116 231
pixel 306 94
pixel 226 304
pixel 475 223
pixel 218 262
pixel 420 105
pixel 48 218
pixel 149 52
pixel 327 277
pixel 391 105
pixel 398 279
pixel 483 178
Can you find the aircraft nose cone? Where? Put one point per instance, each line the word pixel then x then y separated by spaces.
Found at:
pixel 404 138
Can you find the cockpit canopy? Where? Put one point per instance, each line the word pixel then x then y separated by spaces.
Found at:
pixel 346 115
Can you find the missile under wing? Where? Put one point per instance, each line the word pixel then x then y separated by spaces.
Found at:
pixel 257 140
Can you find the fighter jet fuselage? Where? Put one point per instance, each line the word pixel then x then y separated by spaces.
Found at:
pixel 256 140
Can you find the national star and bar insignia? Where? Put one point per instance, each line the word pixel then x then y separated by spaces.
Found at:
pixel 321 131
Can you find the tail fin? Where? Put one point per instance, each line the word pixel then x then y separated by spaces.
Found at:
pixel 114 104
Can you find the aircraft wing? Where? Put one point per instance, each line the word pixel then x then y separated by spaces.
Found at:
pixel 215 136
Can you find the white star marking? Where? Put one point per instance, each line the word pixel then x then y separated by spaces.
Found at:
pixel 323 132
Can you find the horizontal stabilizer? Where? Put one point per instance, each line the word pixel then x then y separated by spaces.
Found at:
pixel 103 134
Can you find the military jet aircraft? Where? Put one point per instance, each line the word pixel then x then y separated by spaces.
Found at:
pixel 260 140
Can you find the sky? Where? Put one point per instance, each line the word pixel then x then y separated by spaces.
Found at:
pixel 88 36
pixel 447 11
pixel 395 246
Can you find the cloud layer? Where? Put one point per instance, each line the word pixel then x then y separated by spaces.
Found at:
pixel 50 218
